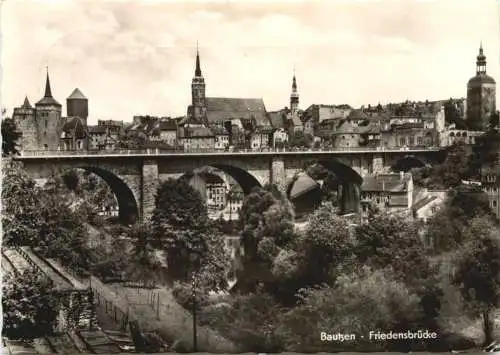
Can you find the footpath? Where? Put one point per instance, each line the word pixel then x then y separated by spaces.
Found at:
pixel 163 316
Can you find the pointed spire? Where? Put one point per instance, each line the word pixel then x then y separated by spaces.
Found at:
pixel 48 92
pixel 26 103
pixel 197 72
pixel 481 47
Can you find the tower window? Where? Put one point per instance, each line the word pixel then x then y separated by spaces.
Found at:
pixel 45 123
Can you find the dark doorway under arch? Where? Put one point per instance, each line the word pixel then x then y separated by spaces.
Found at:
pixel 349 184
pixel 127 204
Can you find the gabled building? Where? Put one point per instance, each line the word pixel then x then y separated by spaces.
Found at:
pixel 74 135
pixel 388 192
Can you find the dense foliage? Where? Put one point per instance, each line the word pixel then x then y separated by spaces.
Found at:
pixel 10 137
pixel 29 306
pixel 181 228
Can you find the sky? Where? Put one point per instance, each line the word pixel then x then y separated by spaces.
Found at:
pixel 137 57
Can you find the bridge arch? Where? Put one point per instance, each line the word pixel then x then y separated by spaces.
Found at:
pixel 127 204
pixel 349 182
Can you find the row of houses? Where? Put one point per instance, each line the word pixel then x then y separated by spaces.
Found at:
pixel 327 126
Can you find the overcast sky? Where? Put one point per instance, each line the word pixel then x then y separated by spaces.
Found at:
pixel 138 57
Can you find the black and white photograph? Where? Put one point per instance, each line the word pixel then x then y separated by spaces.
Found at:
pixel 243 176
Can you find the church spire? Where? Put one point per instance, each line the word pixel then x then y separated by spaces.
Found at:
pixel 197 72
pixel 48 92
pixel 481 61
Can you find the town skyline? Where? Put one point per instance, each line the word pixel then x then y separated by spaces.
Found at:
pixel 262 61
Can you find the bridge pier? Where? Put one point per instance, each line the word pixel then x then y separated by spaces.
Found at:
pixel 149 187
pixel 377 164
pixel 278 173
pixel 350 198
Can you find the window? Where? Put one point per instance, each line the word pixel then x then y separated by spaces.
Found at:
pixel 402 141
pixel 45 123
pixel 419 140
pixel 494 203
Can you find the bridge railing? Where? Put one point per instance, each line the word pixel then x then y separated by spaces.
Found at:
pixel 125 152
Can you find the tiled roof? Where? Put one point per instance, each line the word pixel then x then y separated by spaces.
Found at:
pixel 398 200
pixel 219 130
pixel 276 119
pixel 195 131
pixel 212 178
pixel 424 202
pixel 74 127
pixel 357 115
pixel 303 184
pixel 167 126
pixel 385 182
pixel 97 129
pixel 223 108
pixel 48 101
pixel 77 94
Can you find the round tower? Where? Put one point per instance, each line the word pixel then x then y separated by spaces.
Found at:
pixel 24 119
pixel 48 119
pixel 481 96
pixel 77 105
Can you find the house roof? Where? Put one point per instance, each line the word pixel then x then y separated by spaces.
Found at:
pixel 424 202
pixel 357 115
pixel 74 127
pixel 303 184
pixel 225 108
pixel 167 125
pixel 77 94
pixel 195 131
pixel 386 182
pixel 398 200
pixel 211 178
pixel 276 119
pixel 97 129
pixel 219 130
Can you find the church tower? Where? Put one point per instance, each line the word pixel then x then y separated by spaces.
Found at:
pixel 48 119
pixel 197 110
pixel 481 96
pixel 294 97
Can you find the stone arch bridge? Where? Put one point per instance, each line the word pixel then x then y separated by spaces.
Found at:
pixel 135 176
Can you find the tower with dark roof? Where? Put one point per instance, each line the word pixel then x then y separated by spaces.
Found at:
pixel 294 97
pixel 24 118
pixel 197 110
pixel 48 119
pixel 77 105
pixel 481 96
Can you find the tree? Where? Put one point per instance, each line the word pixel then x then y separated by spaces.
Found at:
pixel 28 305
pixel 248 320
pixel 10 136
pixel 62 234
pixel 478 276
pixel 494 121
pixel 181 227
pixel 267 218
pixel 71 180
pixel 388 240
pixel 21 215
pixel 448 227
pixel 361 301
pixel 325 245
